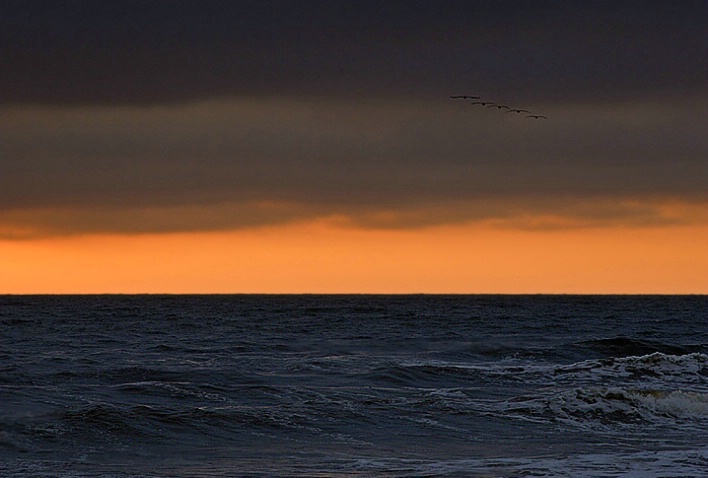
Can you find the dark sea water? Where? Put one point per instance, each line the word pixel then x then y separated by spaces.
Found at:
pixel 353 385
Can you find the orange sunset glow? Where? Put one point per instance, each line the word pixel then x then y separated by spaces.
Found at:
pixel 331 259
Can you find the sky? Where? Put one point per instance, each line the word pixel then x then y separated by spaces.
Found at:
pixel 312 146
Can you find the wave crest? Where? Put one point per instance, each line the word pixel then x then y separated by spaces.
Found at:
pixel 689 368
pixel 601 407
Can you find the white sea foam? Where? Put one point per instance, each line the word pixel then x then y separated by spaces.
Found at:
pixel 606 408
pixel 677 403
pixel 693 367
pixel 606 394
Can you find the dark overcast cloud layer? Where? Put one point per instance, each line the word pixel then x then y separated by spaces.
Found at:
pixel 387 164
pixel 150 116
pixel 153 51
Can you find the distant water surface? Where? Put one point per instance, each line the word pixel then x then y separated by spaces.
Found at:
pixel 353 385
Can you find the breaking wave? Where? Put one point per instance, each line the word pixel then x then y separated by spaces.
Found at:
pixel 609 407
pixel 690 369
pixel 655 389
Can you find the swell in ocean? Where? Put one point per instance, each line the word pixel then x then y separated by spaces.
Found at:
pixel 501 386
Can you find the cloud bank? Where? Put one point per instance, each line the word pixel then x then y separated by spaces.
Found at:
pixel 152 52
pixel 162 116
pixel 232 164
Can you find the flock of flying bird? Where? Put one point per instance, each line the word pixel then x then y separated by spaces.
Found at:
pixel 499 106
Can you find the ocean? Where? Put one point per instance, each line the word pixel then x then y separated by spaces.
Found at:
pixel 353 386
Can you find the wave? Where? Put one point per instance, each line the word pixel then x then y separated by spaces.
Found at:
pixel 652 390
pixel 655 389
pixel 105 424
pixel 597 408
pixel 625 346
pixel 687 369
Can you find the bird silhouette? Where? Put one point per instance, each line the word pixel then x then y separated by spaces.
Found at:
pixel 498 106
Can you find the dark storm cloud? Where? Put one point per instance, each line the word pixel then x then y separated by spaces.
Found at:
pixel 152 116
pixel 147 52
pixel 219 165
pixel 381 153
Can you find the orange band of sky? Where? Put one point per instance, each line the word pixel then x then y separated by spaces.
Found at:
pixel 316 257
